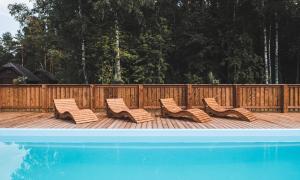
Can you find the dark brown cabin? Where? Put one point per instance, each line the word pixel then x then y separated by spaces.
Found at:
pixel 11 71
pixel 46 77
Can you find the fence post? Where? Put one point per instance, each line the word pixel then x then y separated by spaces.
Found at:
pixel 189 96
pixel 236 96
pixel 285 98
pixel 141 96
pixel 44 98
pixel 92 97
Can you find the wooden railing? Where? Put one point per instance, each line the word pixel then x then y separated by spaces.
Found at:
pixel 260 98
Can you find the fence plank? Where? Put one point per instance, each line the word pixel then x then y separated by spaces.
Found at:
pixel 189 97
pixel 92 97
pixel 236 96
pixel 141 96
pixel 258 97
pixel 44 98
pixel 285 98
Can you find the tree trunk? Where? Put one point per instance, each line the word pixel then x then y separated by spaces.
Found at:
pixel 45 58
pixel 83 58
pixel 266 56
pixel 234 11
pixel 269 54
pixel 276 62
pixel 46 45
pixel 83 61
pixel 117 75
pixel 160 58
pixel 235 5
pixel 22 54
pixel 265 49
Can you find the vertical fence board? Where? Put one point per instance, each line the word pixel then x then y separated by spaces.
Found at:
pixel 274 98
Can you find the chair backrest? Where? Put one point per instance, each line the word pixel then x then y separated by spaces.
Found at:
pixel 213 104
pixel 63 105
pixel 170 105
pixel 117 105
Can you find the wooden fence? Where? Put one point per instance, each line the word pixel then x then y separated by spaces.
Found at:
pixel 260 98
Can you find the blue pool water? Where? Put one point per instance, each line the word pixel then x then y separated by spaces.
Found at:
pixel 143 161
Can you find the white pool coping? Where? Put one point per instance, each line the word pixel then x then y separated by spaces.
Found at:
pixel 149 135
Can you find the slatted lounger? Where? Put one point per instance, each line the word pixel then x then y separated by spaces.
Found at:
pixel 212 107
pixel 68 109
pixel 169 108
pixel 116 108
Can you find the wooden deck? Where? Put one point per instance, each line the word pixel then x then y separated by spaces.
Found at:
pixel 46 120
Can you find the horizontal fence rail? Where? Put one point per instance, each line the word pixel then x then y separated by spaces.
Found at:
pixel 255 97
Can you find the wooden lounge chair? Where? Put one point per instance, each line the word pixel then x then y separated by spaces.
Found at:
pixel 212 107
pixel 68 109
pixel 169 108
pixel 116 108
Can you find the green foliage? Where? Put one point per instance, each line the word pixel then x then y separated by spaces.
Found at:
pixel 20 80
pixel 243 65
pixel 105 64
pixel 211 78
pixel 8 48
pixel 163 41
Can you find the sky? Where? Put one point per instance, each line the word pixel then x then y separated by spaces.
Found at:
pixel 7 22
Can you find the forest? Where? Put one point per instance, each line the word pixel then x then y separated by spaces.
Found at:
pixel 151 41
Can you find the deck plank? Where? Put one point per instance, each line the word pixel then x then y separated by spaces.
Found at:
pixel 47 120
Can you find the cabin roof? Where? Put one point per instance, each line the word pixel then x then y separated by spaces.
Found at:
pixel 47 74
pixel 21 71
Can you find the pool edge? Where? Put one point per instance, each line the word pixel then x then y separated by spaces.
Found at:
pixel 149 135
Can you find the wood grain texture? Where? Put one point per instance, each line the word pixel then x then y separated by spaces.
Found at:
pixel 68 109
pixel 47 120
pixel 212 107
pixel 118 109
pixel 254 97
pixel 170 109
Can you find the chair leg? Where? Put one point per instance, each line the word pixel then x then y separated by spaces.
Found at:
pixel 109 114
pixel 163 113
pixel 56 115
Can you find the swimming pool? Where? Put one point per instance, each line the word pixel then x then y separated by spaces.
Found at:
pixel 149 154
